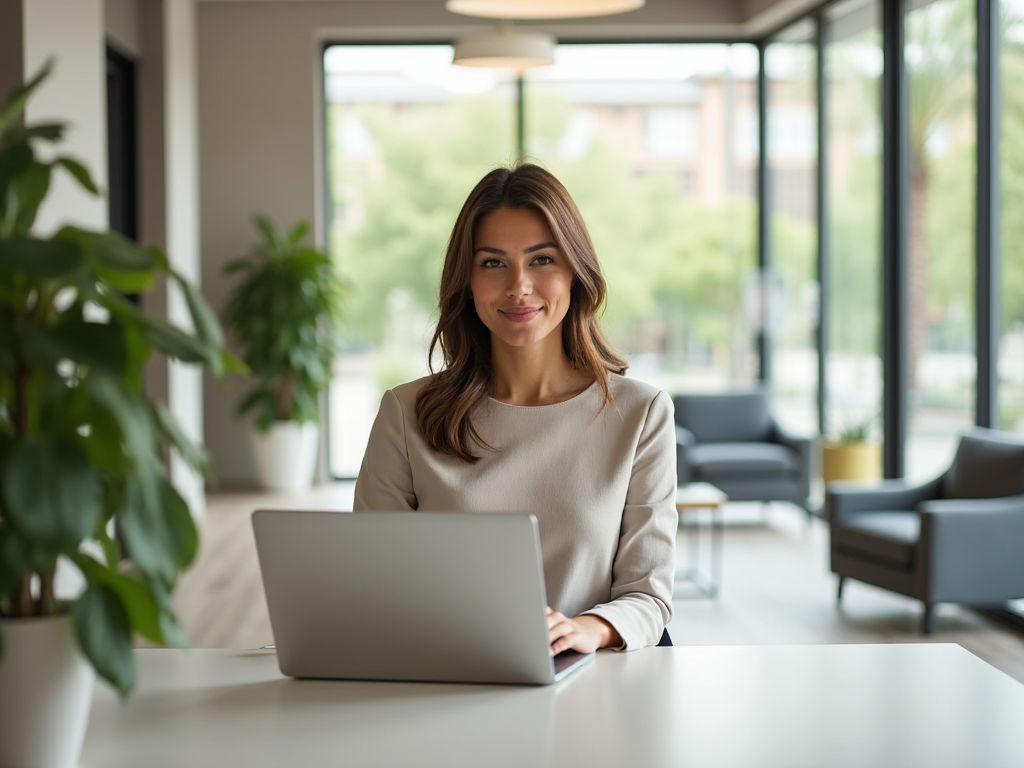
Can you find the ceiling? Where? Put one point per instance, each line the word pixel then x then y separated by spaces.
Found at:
pixel 658 19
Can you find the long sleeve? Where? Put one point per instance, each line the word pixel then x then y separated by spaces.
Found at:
pixel 385 477
pixel 644 570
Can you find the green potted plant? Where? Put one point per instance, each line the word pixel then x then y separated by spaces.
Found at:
pixel 284 313
pixel 83 454
pixel 852 454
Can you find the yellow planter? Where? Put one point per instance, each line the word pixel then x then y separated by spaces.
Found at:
pixel 851 461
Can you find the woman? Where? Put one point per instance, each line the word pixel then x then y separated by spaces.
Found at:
pixel 530 413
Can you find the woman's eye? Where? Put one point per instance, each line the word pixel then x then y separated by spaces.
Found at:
pixel 490 263
pixel 543 260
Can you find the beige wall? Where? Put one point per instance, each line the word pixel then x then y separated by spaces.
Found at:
pixel 124 26
pixel 12 48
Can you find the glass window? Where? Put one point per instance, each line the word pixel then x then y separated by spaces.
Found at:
pixel 942 366
pixel 408 135
pixel 1011 342
pixel 670 202
pixel 791 70
pixel 853 67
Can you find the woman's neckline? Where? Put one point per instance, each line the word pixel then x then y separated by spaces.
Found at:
pixel 569 399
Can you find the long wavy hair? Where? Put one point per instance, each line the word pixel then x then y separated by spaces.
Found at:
pixel 446 403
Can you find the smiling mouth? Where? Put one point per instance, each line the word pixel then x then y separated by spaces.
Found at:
pixel 520 314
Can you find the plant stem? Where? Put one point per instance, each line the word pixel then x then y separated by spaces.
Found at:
pixel 284 396
pixel 46 602
pixel 23 597
pixel 22 378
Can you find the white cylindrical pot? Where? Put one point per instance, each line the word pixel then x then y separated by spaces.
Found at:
pixel 285 456
pixel 45 693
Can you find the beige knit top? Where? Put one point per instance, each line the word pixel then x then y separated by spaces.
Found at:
pixel 601 484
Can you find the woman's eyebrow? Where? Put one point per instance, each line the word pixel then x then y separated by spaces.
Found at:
pixel 540 247
pixel 499 252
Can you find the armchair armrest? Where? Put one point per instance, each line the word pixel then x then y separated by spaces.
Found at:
pixel 803 446
pixel 850 498
pixel 799 444
pixel 685 439
pixel 973 547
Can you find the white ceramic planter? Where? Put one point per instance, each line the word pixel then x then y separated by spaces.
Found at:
pixel 285 457
pixel 45 693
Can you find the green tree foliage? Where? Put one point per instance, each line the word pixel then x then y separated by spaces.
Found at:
pixel 425 163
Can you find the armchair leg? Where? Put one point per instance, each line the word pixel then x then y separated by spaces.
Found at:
pixel 839 589
pixel 928 621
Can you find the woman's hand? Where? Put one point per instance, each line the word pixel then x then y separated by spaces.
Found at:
pixel 585 633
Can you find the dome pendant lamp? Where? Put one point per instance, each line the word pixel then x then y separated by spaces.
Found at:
pixel 506 48
pixel 541 9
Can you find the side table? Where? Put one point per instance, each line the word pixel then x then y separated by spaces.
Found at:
pixel 693 499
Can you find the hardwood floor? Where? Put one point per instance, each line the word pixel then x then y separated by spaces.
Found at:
pixel 776 588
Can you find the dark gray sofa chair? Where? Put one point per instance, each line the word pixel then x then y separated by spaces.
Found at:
pixel 731 440
pixel 956 539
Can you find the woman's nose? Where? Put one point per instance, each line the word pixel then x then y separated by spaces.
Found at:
pixel 519 282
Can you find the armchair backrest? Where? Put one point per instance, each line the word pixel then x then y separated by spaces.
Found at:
pixel 988 464
pixel 727 417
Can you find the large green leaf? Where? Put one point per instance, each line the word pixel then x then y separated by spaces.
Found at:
pixel 21 555
pixel 147 534
pixel 15 103
pixel 181 525
pixel 193 453
pixel 136 596
pixel 14 161
pixel 115 250
pixel 169 627
pixel 51 492
pixel 105 635
pixel 175 343
pixel 28 189
pixel 205 321
pixel 97 345
pixel 79 172
pixel 133 417
pixel 39 259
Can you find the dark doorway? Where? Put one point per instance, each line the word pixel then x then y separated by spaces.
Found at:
pixel 121 143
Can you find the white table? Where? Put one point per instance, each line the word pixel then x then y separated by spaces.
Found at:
pixel 867 706
pixel 691 500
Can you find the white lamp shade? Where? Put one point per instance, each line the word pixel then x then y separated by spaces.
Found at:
pixel 506 49
pixel 541 9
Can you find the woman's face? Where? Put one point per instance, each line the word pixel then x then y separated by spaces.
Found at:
pixel 520 280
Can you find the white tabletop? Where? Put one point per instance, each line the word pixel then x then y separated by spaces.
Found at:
pixel 854 706
pixel 700 495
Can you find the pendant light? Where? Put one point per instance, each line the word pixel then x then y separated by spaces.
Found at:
pixel 506 48
pixel 541 9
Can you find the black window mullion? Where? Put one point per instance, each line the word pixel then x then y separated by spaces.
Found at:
pixel 764 351
pixel 821 195
pixel 987 219
pixel 895 196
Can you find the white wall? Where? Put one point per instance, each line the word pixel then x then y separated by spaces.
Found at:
pixel 71 33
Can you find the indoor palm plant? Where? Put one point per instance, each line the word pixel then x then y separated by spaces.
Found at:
pixel 284 313
pixel 83 451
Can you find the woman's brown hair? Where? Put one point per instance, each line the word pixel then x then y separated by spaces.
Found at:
pixel 445 404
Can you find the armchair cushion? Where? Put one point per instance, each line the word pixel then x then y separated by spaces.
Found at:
pixel 734 417
pixel 887 537
pixel 756 461
pixel 986 466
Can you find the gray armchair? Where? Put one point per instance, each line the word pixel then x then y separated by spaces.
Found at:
pixel 731 440
pixel 956 539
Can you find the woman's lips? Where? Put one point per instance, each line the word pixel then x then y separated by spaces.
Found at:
pixel 520 314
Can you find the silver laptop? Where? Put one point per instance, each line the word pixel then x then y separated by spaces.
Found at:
pixel 448 597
